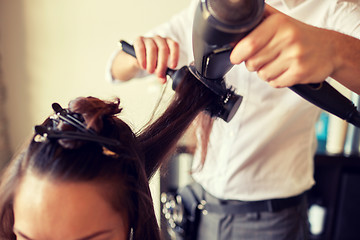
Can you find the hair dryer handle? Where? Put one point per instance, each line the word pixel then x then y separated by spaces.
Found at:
pixel 329 99
pixel 129 49
pixel 126 47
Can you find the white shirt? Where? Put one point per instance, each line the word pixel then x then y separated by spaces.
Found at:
pixel 266 151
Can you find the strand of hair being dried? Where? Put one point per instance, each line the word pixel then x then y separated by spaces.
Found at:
pixel 159 139
pixel 204 123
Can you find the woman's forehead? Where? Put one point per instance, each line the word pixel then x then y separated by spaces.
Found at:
pixel 45 207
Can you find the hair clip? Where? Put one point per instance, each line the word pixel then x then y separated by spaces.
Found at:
pixel 48 133
pixel 83 134
pixel 67 117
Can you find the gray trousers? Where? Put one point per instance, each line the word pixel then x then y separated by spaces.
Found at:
pixel 288 224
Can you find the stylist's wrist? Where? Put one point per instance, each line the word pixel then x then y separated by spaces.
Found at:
pixel 124 67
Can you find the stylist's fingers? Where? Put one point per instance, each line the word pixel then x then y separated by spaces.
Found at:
pixel 151 54
pixel 273 69
pixel 264 56
pixel 289 78
pixel 146 52
pixel 256 40
pixel 174 53
pixel 140 51
pixel 168 56
pixel 156 54
pixel 163 56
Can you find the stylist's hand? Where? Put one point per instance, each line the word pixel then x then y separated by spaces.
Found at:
pixel 284 51
pixel 156 54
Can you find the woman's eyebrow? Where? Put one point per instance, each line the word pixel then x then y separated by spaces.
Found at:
pixel 89 237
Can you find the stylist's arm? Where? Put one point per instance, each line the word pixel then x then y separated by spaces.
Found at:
pixel 284 52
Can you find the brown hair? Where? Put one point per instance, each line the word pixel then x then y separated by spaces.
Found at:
pixel 137 156
pixel 158 140
pixel 75 160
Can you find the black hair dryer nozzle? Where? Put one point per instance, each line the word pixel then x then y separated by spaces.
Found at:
pixel 228 101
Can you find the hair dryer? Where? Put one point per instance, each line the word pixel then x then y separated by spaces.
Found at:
pixel 218 26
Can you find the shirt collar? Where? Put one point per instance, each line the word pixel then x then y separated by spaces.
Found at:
pixel 289 4
pixel 292 3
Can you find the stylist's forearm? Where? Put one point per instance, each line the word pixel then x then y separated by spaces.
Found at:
pixel 347 59
pixel 124 67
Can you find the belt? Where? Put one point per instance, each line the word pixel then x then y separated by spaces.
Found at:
pixel 242 207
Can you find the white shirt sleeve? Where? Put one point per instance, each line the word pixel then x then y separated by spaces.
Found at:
pixel 344 16
pixel 108 76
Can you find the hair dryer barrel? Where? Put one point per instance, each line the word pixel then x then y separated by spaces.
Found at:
pixel 218 26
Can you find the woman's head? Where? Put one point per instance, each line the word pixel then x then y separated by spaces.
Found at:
pixel 58 170
pixel 104 156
